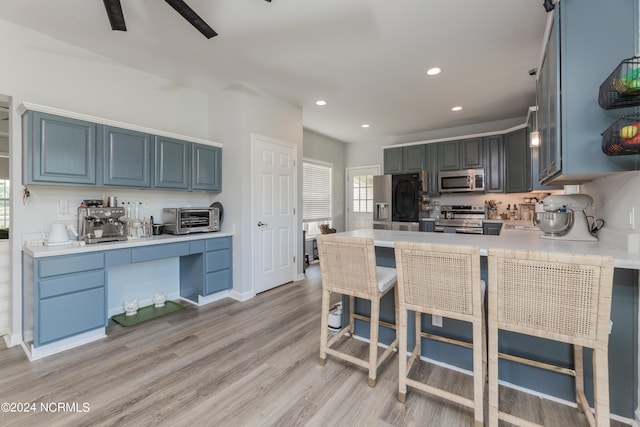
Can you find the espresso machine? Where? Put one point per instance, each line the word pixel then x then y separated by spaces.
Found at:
pixel 98 224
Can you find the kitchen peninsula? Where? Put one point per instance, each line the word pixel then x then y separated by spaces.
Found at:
pixel 623 341
pixel 66 289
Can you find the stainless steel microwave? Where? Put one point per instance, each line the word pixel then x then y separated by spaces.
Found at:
pixel 190 220
pixel 461 181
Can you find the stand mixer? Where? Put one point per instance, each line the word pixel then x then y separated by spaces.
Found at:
pixel 564 218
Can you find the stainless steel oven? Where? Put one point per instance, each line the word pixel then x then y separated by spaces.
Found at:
pixel 190 220
pixel 462 219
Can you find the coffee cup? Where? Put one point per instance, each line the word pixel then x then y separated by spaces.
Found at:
pixel 97 233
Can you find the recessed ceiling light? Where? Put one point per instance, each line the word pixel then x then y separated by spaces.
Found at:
pixel 434 71
pixel 321 102
pixel 366 125
pixel 456 108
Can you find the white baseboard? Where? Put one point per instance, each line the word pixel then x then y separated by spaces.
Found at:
pixel 12 340
pixel 211 298
pixel 35 353
pixel 241 296
pixel 300 277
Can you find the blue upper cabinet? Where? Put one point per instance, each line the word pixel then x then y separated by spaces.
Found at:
pixel 60 150
pixel 587 41
pixel 67 151
pixel 206 168
pixel 126 157
pixel 173 163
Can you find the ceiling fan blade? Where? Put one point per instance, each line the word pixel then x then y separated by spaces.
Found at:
pixel 114 12
pixel 194 19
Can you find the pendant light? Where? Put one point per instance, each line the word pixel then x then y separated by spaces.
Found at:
pixel 534 136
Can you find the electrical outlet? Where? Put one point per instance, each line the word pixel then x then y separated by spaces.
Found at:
pixel 145 204
pixel 436 320
pixel 632 218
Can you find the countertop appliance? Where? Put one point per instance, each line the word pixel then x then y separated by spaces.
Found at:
pixel 461 181
pixel 100 224
pixel 564 218
pixel 460 219
pixel 190 220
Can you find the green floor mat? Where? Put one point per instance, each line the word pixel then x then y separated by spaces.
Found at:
pixel 147 313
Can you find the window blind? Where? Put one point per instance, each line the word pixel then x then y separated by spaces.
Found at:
pixel 316 192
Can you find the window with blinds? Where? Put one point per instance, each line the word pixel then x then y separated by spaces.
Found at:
pixel 316 195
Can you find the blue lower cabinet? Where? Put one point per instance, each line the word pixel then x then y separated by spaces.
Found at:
pixel 218 265
pixel 218 281
pixel 69 296
pixel 70 314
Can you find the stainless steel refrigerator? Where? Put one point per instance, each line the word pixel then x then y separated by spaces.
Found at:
pixel 382 202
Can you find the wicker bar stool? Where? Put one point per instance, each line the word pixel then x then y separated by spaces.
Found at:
pixel 441 280
pixel 348 267
pixel 557 296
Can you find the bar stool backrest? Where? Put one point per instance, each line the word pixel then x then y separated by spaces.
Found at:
pixel 348 265
pixel 559 296
pixel 440 277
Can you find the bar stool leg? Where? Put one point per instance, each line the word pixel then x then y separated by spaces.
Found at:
pixel 493 369
pixel 324 326
pixel 402 356
pixel 578 365
pixel 373 341
pixel 418 346
pixel 601 385
pixel 352 310
pixel 478 367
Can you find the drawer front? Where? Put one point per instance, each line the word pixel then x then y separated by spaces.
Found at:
pixel 218 260
pixel 219 243
pixel 218 281
pixel 70 264
pixel 150 253
pixel 117 257
pixel 72 283
pixel 63 316
pixel 196 247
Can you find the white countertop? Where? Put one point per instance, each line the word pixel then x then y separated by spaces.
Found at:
pixel 513 239
pixel 46 251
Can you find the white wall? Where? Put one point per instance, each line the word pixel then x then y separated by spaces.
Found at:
pixel 42 70
pixel 613 197
pixel 326 149
pixel 236 113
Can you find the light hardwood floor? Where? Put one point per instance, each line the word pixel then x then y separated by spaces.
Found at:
pixel 229 363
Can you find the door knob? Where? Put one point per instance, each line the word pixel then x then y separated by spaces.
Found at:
pixel 262 224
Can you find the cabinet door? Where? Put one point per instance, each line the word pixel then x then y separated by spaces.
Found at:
pixel 126 157
pixel 517 162
pixel 431 162
pixel 172 165
pixel 413 158
pixel 554 153
pixel 392 160
pixel 70 314
pixel 206 168
pixel 60 150
pixel 449 155
pixel 471 153
pixel 494 161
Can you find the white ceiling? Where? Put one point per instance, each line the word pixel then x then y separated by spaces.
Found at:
pixel 367 58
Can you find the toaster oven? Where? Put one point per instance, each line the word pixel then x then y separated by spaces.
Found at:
pixel 190 220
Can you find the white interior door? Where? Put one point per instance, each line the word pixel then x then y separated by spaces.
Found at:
pixel 359 195
pixel 274 216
